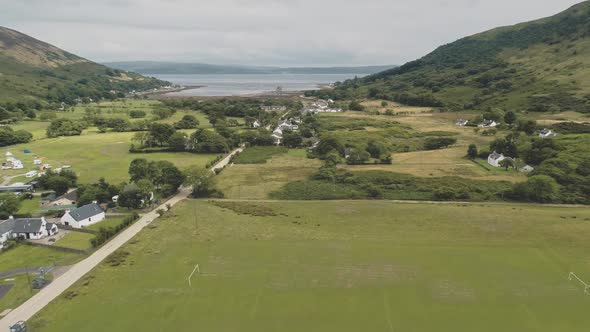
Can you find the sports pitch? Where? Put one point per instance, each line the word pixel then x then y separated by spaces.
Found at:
pixel 340 266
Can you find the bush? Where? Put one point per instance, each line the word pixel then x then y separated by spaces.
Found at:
pixel 435 143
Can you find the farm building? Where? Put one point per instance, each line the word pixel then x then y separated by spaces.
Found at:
pixel 495 158
pixel 83 216
pixel 69 198
pixel 547 133
pixel 27 228
pixel 461 122
pixel 488 124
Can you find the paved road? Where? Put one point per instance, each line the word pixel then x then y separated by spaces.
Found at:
pixel 226 160
pixel 59 285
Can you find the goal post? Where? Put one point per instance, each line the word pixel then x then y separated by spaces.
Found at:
pixel 572 276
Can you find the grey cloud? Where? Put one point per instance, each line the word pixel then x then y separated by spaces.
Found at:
pixel 264 32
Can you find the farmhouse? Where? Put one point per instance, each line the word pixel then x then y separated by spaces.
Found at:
pixel 5 231
pixel 69 198
pixel 547 133
pixel 461 122
pixel 495 158
pixel 31 228
pixel 83 216
pixel 488 124
pixel 256 124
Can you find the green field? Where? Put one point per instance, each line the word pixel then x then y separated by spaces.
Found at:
pixel 25 256
pixel 75 240
pixel 94 155
pixel 17 294
pixel 108 222
pixel 340 266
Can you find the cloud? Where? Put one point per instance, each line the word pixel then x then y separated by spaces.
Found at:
pixel 264 32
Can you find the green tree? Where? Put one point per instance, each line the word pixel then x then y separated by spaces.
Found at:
pixel 187 122
pixel 538 188
pixel 178 141
pixel 292 139
pixel 160 133
pixel 131 199
pixel 510 117
pixel 9 205
pixel 201 180
pixel 377 149
pixel 506 163
pixel 472 151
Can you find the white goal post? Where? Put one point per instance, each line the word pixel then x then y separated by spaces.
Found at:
pixel 196 269
pixel 573 276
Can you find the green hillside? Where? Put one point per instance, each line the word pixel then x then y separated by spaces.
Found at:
pixel 541 65
pixel 36 71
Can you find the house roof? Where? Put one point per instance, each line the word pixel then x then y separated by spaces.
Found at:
pixel 49 226
pixel 86 211
pixel 72 196
pixel 495 156
pixel 6 226
pixel 27 225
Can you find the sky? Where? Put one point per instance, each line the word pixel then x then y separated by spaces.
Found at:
pixel 264 32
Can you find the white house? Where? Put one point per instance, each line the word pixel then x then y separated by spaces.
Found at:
pixel 547 133
pixel 488 124
pixel 256 124
pixel 6 227
pixel 83 216
pixel 278 132
pixel 31 228
pixel 495 158
pixel 461 122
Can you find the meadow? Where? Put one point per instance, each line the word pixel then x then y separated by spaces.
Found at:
pixel 339 266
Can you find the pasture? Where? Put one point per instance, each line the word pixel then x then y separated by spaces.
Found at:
pixel 256 181
pixel 339 266
pixel 93 155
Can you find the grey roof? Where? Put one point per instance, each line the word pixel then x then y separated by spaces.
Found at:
pixel 72 196
pixel 495 155
pixel 49 226
pixel 86 211
pixel 6 226
pixel 27 225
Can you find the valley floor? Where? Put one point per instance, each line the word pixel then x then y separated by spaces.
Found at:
pixel 339 266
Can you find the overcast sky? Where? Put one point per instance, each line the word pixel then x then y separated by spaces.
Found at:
pixel 264 32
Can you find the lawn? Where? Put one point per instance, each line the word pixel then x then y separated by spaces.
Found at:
pixel 19 293
pixel 108 222
pixel 256 181
pixel 258 154
pixel 94 155
pixel 75 240
pixel 25 256
pixel 29 206
pixel 340 266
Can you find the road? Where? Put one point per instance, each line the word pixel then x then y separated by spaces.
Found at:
pixel 7 179
pixel 25 311
pixel 221 164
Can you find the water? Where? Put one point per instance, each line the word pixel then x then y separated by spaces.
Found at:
pixel 239 85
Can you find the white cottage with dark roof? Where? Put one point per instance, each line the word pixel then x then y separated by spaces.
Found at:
pixel 83 216
pixel 27 228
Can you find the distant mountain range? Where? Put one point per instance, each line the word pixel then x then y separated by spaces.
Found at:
pixel 31 69
pixel 173 68
pixel 542 65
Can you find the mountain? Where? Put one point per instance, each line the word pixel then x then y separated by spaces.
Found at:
pixel 174 68
pixel 34 70
pixel 543 65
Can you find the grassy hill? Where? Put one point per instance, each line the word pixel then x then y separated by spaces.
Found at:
pixel 34 70
pixel 541 65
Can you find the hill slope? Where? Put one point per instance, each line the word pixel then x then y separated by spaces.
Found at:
pixel 34 70
pixel 171 68
pixel 541 65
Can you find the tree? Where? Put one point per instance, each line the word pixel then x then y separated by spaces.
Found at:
pixel 472 151
pixel 177 142
pixel 377 149
pixel 160 133
pixel 292 139
pixel 131 199
pixel 435 143
pixel 527 126
pixel 510 117
pixel 507 163
pixel 9 205
pixel 329 144
pixel 187 122
pixel 65 127
pixel 356 106
pixel 137 114
pixel 139 169
pixel 170 179
pixel 538 188
pixel 207 141
pixel 59 184
pixel 358 156
pixel 201 180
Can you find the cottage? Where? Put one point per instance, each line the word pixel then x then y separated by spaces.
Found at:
pixel 6 227
pixel 32 228
pixel 83 216
pixel 461 122
pixel 547 133
pixel 69 198
pixel 488 124
pixel 495 158
pixel 256 124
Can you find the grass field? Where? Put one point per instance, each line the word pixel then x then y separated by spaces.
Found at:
pixel 19 293
pixel 108 222
pixel 25 256
pixel 340 266
pixel 75 240
pixel 93 156
pixel 256 181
